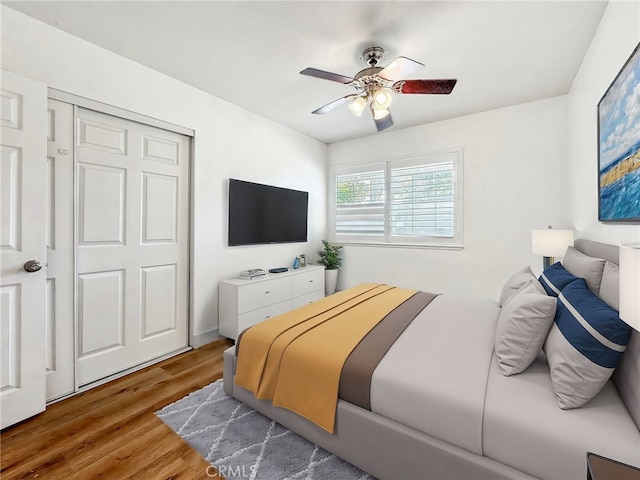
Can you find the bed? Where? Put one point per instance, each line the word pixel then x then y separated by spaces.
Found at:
pixel 459 416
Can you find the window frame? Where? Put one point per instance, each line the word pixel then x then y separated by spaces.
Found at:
pixel 420 241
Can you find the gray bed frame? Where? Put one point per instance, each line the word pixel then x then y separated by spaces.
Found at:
pixel 389 450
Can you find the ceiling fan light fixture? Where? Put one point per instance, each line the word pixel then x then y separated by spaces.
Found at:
pixel 379 113
pixel 357 106
pixel 382 98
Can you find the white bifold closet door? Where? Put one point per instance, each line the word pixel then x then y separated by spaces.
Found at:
pixel 60 356
pixel 132 201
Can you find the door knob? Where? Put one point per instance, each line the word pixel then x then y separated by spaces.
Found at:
pixel 32 266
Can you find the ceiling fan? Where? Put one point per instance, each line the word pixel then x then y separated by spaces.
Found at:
pixel 376 84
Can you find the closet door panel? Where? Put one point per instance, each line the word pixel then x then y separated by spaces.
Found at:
pixel 60 352
pixel 132 219
pixel 102 205
pixel 101 306
pixel 159 208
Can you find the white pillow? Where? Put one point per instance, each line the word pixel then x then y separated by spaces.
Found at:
pixel 523 325
pixel 515 283
pixel 610 286
pixel 584 266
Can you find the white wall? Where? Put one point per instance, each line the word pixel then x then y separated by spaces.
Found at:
pixel 515 171
pixel 526 166
pixel 615 39
pixel 229 142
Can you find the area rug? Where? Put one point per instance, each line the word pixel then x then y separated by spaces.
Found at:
pixel 241 443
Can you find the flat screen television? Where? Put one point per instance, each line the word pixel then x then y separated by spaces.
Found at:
pixel 260 214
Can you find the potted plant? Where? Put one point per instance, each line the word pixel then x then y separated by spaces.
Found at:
pixel 330 258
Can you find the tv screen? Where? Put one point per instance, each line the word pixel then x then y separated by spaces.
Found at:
pixel 266 214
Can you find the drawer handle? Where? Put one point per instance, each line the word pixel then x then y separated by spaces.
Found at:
pixel 268 316
pixel 267 292
pixel 310 281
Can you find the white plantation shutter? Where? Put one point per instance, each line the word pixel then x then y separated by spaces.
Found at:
pixel 408 201
pixel 422 200
pixel 359 203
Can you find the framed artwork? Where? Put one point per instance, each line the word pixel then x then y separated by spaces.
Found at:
pixel 619 146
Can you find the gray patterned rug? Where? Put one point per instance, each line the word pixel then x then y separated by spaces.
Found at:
pixel 244 444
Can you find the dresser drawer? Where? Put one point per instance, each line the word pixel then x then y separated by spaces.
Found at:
pixel 249 319
pixel 261 294
pixel 307 282
pixel 303 300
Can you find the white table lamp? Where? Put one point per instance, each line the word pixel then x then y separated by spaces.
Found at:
pixel 550 243
pixel 630 286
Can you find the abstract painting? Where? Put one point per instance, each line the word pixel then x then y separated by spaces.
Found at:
pixel 619 146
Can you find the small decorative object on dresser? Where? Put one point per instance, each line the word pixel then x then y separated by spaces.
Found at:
pixel 243 303
pixel 330 258
pixel 253 273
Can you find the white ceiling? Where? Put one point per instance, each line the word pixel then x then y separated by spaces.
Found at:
pixel 250 52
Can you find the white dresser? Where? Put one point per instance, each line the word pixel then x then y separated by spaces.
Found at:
pixel 243 303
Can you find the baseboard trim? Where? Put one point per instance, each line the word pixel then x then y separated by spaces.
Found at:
pixel 202 339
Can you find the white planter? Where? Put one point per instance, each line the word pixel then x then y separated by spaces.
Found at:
pixel 330 281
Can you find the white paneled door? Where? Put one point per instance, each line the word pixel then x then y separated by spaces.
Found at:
pixel 132 243
pixel 22 248
pixel 60 357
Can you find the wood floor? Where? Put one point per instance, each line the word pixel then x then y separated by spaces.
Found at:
pixel 111 432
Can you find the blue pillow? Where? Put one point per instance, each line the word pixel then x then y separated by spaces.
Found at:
pixel 554 278
pixel 584 345
pixel 592 326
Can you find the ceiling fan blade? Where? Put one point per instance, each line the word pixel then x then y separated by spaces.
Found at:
pixel 383 123
pixel 335 104
pixel 443 87
pixel 400 68
pixel 334 77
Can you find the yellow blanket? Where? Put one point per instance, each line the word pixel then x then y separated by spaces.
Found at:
pixel 257 341
pixel 296 359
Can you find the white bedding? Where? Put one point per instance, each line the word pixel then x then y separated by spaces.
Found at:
pixel 434 377
pixel 441 377
pixel 524 426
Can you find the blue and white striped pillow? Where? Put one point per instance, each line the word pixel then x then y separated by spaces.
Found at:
pixel 585 344
pixel 554 278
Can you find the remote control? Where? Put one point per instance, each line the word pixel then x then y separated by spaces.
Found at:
pixel 278 270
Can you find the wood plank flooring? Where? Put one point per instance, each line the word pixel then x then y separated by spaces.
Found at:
pixel 111 432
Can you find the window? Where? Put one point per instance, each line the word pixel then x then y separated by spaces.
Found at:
pixel 360 202
pixel 407 201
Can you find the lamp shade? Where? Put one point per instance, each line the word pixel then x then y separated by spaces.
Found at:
pixel 379 113
pixel 357 106
pixel 382 98
pixel 630 286
pixel 550 242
